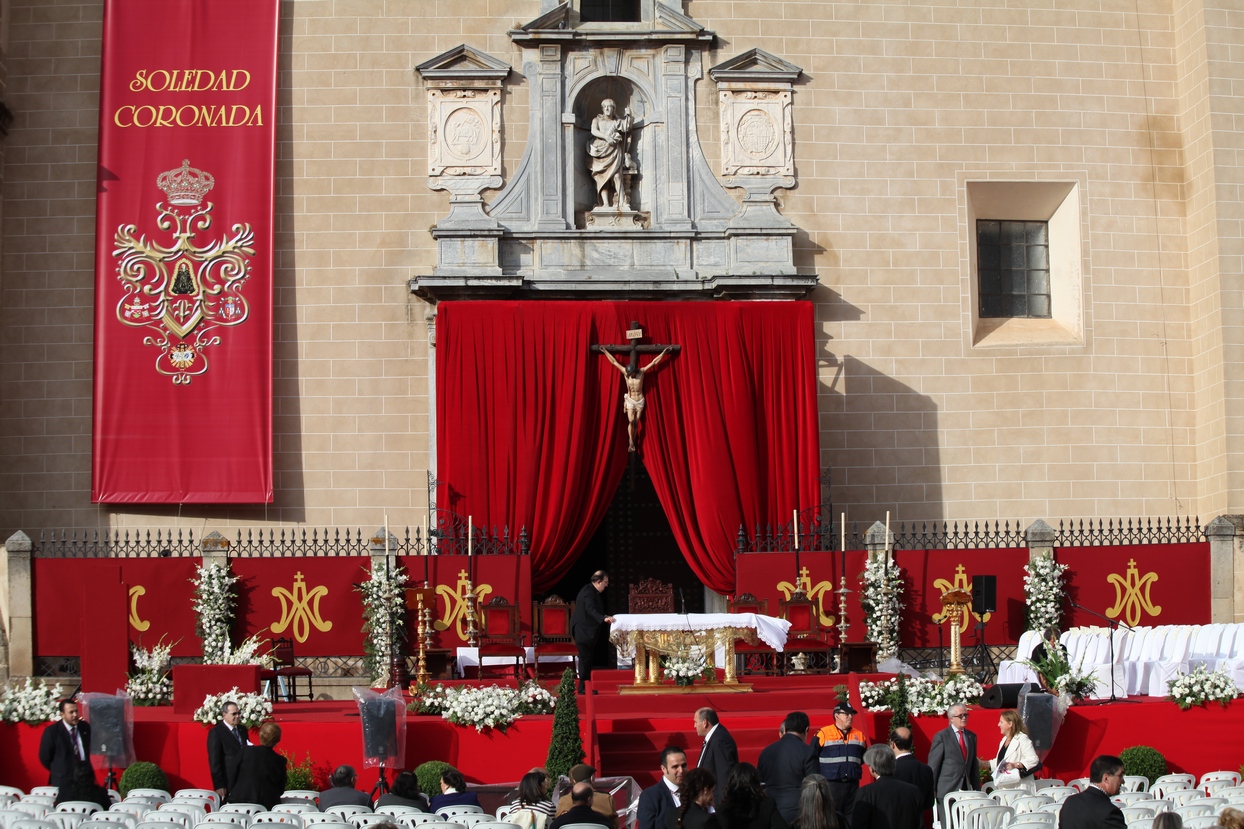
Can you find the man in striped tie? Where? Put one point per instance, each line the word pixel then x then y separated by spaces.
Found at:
pixel 65 743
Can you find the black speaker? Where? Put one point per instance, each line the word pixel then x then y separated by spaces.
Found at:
pixel 1005 695
pixel 379 716
pixel 108 731
pixel 1039 719
pixel 984 594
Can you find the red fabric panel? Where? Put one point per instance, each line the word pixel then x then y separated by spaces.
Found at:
pixel 1169 585
pixel 105 649
pixel 158 595
pixel 532 432
pixel 311 600
pixel 191 683
pixel 491 576
pixel 183 344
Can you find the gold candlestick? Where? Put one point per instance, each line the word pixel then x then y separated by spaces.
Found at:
pixel 421 669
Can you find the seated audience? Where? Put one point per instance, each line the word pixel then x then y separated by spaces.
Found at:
pixel 343 792
pixel 405 792
pixel 817 809
pixel 695 798
pixel 744 804
pixel 1168 820
pixel 261 770
pixel 453 791
pixel 532 808
pixel 1229 817
pixel 81 786
pixel 581 810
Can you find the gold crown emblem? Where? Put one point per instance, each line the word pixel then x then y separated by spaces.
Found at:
pixel 186 185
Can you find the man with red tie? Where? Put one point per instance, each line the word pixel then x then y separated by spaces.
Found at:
pixel 65 743
pixel 952 757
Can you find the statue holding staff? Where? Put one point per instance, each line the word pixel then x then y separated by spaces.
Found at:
pixel 610 157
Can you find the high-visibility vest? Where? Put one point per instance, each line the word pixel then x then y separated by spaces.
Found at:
pixel 842 755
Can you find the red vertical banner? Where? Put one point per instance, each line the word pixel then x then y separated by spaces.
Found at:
pixel 183 252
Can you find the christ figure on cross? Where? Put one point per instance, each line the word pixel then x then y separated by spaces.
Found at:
pixel 633 400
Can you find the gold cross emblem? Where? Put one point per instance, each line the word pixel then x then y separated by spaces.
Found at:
pixel 960 583
pixel 1131 594
pixel 456 604
pixel 301 609
pixel 817 594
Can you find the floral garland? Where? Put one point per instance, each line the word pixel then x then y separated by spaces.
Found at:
pixel 926 697
pixel 1201 687
pixel 491 707
pixel 882 600
pixel 214 603
pixel 33 703
pixel 150 684
pixel 384 615
pixel 254 708
pixel 1044 592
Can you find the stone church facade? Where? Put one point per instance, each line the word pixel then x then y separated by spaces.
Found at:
pixel 896 141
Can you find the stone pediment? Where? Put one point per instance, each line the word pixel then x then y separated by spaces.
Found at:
pixel 463 63
pixel 667 24
pixel 755 65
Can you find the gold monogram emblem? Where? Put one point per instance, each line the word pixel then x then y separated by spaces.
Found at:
pixel 960 583
pixel 182 294
pixel 816 594
pixel 1131 594
pixel 301 609
pixel 456 604
pixel 136 591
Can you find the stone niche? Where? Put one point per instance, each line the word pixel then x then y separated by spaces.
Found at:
pixel 649 217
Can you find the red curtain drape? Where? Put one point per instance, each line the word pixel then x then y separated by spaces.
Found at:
pixel 532 431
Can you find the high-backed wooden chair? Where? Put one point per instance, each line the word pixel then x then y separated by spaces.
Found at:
pixel 551 630
pixel 758 658
pixel 501 635
pixel 285 672
pixel 651 596
pixel 806 636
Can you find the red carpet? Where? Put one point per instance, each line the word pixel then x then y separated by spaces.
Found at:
pixel 625 734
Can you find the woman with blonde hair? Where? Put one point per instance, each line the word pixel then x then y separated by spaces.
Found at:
pixel 1016 758
pixel 1231 818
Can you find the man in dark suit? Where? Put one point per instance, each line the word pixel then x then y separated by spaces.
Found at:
pixel 719 754
pixel 784 764
pixel 602 802
pixel 581 811
pixel 952 758
pixel 587 621
pixel 224 748
pixel 343 792
pixel 65 743
pixel 886 803
pixel 1092 808
pixel 656 801
pixel 909 769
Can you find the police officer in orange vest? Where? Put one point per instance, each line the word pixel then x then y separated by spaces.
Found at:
pixel 841 751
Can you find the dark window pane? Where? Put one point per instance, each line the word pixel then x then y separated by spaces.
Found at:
pixel 1019 306
pixel 987 231
pixel 609 11
pixel 1015 256
pixel 993 306
pixel 1038 305
pixel 1036 232
pixel 988 256
pixel 1013 269
pixel 1038 282
pixel 1015 282
pixel 1039 257
pixel 1012 233
pixel 991 282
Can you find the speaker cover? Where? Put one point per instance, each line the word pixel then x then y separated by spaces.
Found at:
pixel 383 719
pixel 112 728
pixel 1005 695
pixel 984 594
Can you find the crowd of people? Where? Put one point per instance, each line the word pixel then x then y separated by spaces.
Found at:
pixel 802 780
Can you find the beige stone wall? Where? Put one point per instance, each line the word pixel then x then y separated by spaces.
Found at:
pixel 902 104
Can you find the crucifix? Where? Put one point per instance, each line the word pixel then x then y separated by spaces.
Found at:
pixel 633 399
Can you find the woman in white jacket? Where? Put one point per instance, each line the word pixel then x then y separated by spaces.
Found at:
pixel 1015 753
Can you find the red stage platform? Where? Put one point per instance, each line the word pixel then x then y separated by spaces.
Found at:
pixel 624 734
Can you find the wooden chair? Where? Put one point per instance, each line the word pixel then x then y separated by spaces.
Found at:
pixel 501 635
pixel 806 636
pixel 284 668
pixel 758 658
pixel 551 635
pixel 651 596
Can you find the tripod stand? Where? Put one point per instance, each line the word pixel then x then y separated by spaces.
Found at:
pixel 382 785
pixel 982 656
pixel 1114 624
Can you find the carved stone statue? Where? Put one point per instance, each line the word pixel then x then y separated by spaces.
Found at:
pixel 610 156
pixel 633 400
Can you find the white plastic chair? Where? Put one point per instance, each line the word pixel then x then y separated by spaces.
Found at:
pixel 48 800
pixel 12 790
pixel 1141 823
pixel 1230 792
pixel 418 819
pixel 962 806
pixel 1059 793
pixel 288 818
pixel 131 807
pixel 1135 783
pixel 81 807
pixel 239 819
pixel 472 820
pixel 1196 808
pixel 33 823
pixel 66 820
pixel 363 821
pixel 45 791
pixel 32 810
pixel 1006 797
pixel 1184 797
pixel 1030 803
pixel 1174 660
pixel 248 809
pixel 1131 813
pixel 1200 822
pixel 199 794
pixel 1035 820
pixel 344 813
pixel 126 819
pixel 1204 647
pixel 988 817
pixel 1215 776
pixel 453 811
pixel 301 794
pixel 311 819
pixel 8 816
pixel 158 795
pixel 100 823
pixel 1047 808
pixel 393 810
pixel 1130 798
pixel 1171 782
pixel 194 811
pixel 445 824
pixel 1079 784
pixel 302 807
pixel 159 824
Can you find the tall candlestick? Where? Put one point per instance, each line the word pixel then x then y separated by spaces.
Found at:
pixel 470 534
pixel 795 528
pixel 843 522
pixel 386 533
pixel 795 524
pixel 427 548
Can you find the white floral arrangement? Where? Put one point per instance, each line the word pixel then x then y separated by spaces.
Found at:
pixel 247 653
pixel 925 697
pixel 151 684
pixel 882 600
pixel 490 707
pixel 1201 687
pixel 214 603
pixel 255 709
pixel 34 703
pixel 384 615
pixel 685 670
pixel 1044 592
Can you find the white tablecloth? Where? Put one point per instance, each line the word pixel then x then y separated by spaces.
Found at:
pixel 469 658
pixel 770 630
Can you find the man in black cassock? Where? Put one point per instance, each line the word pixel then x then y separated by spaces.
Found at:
pixel 588 622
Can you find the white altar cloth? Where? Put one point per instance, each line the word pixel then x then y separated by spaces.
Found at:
pixel 770 630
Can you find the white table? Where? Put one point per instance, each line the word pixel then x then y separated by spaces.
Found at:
pixel 469 658
pixel 649 635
